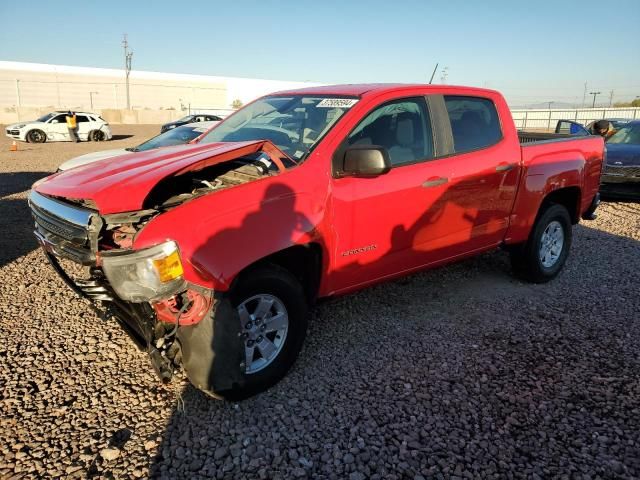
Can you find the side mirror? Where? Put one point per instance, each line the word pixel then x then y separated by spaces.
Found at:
pixel 365 161
pixel 54 121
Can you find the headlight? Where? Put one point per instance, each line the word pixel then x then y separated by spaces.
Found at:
pixel 145 275
pixel 19 126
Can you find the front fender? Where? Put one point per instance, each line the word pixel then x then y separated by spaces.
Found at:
pixel 222 233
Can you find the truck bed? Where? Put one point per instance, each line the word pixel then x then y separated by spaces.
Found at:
pixel 534 137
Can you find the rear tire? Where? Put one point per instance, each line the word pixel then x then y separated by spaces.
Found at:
pixel 544 254
pixel 97 136
pixel 36 136
pixel 282 291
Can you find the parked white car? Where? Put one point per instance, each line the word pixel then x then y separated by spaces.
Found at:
pixel 178 136
pixel 52 127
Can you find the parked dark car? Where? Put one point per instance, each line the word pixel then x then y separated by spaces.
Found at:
pixel 621 173
pixel 621 176
pixel 198 117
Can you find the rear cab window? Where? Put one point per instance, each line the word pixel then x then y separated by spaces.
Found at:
pixel 474 122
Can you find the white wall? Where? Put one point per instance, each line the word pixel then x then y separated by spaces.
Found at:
pixel 59 86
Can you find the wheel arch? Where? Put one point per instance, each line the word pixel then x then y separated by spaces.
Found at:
pixel 94 130
pixel 28 133
pixel 304 261
pixel 531 203
pixel 568 197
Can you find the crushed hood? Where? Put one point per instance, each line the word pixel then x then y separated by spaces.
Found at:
pixel 121 184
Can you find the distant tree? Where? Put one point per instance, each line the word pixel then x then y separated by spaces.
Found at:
pixel 236 104
pixel 634 103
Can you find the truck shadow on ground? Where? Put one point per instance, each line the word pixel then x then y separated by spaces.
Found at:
pixel 393 353
pixel 409 340
pixel 16 182
pixel 16 222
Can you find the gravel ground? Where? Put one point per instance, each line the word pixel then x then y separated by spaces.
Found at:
pixel 462 372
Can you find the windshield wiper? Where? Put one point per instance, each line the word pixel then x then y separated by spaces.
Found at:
pixel 132 149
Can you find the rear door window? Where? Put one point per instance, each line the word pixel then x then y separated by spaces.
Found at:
pixel 400 126
pixel 474 122
pixel 82 118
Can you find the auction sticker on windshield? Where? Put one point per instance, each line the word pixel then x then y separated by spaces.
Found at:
pixel 337 103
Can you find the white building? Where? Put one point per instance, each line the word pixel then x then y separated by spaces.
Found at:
pixel 37 85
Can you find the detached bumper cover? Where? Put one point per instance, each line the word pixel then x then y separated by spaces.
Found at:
pixel 212 350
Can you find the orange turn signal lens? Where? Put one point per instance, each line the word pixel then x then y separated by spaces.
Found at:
pixel 168 268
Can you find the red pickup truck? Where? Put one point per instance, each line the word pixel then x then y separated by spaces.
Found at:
pixel 210 255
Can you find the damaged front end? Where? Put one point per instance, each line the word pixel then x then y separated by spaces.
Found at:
pixel 145 290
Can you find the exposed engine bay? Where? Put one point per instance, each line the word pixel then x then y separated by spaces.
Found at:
pixel 120 229
pixel 173 191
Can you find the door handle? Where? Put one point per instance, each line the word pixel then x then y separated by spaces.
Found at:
pixel 505 167
pixel 434 182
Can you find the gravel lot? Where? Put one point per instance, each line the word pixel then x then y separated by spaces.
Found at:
pixel 462 372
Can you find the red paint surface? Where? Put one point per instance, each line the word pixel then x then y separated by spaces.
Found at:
pixel 391 223
pixel 121 184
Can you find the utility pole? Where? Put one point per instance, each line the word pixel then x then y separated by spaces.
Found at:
pixel 549 105
pixel 611 98
pixel 595 94
pixel 127 67
pixel 584 95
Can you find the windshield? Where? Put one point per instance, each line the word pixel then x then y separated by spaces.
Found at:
pixel 629 135
pixel 46 117
pixel 293 123
pixel 185 118
pixel 177 136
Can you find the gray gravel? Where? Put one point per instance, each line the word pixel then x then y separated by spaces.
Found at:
pixel 462 372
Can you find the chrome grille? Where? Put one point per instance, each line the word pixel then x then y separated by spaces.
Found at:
pixel 62 229
pixel 622 171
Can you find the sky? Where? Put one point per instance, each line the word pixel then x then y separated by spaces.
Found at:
pixel 531 51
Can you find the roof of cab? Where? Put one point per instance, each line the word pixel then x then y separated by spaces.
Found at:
pixel 360 89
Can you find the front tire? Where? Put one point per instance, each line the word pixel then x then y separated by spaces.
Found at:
pixel 544 254
pixel 273 311
pixel 36 136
